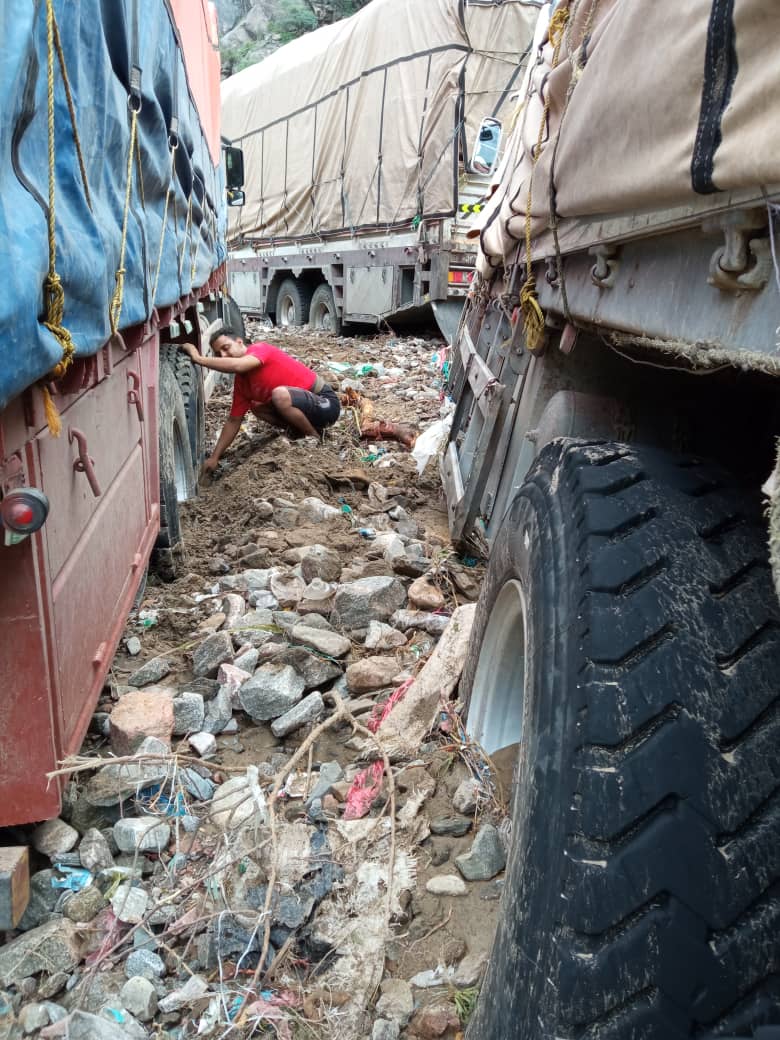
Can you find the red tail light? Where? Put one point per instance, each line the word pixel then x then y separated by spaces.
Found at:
pixel 24 511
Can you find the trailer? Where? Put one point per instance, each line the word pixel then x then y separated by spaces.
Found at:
pixel 369 146
pixel 614 455
pixel 112 251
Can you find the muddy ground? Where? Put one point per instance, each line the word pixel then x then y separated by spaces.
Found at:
pixel 224 535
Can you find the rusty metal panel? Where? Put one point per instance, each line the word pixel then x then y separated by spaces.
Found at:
pixel 65 592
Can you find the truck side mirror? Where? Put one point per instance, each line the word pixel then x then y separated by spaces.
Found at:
pixel 234 167
pixel 485 154
pixel 236 197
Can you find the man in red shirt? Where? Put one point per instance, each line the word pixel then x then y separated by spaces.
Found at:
pixel 271 384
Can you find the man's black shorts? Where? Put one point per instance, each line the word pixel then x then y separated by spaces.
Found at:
pixel 321 409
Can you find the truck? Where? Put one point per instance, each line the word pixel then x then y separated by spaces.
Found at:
pixel 112 251
pixel 369 146
pixel 614 456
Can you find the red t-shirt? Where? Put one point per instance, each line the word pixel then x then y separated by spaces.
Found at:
pixel 276 369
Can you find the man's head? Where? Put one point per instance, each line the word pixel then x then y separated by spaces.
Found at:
pixel 226 342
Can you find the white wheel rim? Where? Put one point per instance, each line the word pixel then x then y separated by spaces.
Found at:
pixel 287 311
pixel 498 695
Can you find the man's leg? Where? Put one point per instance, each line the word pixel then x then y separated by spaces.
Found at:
pixel 268 414
pixel 292 416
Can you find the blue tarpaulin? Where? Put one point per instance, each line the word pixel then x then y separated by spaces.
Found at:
pixel 101 40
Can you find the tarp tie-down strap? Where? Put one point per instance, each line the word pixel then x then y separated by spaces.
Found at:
pixel 53 291
pixel 174 146
pixel 533 316
pixel 115 308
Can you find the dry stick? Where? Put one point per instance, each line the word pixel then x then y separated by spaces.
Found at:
pixel 82 764
pixel 342 712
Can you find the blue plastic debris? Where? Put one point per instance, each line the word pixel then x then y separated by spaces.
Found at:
pixel 76 878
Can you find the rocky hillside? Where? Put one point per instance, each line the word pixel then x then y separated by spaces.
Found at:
pixel 252 29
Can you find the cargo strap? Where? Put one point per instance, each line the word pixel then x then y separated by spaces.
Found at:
pixel 533 316
pixel 174 143
pixel 53 291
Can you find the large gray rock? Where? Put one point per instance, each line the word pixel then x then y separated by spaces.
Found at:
pixel 396 1002
pixel 253 629
pixel 115 782
pixel 85 905
pixel 95 852
pixel 318 561
pixel 247 581
pixel 271 691
pixel 188 713
pixel 151 672
pixel 139 997
pixel 486 857
pixel 51 947
pixel 219 712
pixel 466 796
pixel 43 899
pixel 360 602
pixel 84 1026
pixel 329 643
pixel 146 964
pixel 307 710
pixel 316 671
pixel 129 904
pixel 372 673
pixel 211 653
pixel 383 637
pixel 54 837
pixel 141 834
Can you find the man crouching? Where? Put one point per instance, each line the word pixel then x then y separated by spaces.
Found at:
pixel 274 386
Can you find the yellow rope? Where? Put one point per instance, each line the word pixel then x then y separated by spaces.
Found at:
pixel 53 292
pixel 115 308
pixel 164 223
pixel 187 233
pixel 71 108
pixel 533 316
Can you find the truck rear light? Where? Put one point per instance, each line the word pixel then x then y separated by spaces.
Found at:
pixel 459 277
pixel 23 511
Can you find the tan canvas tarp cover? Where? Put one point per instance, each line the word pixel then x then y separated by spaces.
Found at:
pixel 671 103
pixel 359 124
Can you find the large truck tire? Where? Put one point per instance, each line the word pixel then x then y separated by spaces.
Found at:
pixel 190 381
pixel 177 476
pixel 628 637
pixel 323 315
pixel 292 303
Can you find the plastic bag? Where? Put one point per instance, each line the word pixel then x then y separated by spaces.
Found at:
pixel 431 442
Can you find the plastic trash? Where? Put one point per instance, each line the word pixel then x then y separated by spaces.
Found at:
pixel 431 442
pixel 76 878
pixel 368 533
pixel 148 618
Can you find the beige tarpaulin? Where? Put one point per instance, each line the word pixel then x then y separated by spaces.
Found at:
pixel 360 124
pixel 652 104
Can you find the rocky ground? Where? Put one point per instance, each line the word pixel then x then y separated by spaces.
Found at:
pixel 278 825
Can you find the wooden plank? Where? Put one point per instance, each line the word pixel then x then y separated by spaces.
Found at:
pixel 14 885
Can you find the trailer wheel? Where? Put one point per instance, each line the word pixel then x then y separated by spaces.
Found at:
pixel 323 315
pixel 292 303
pixel 188 376
pixel 177 477
pixel 628 637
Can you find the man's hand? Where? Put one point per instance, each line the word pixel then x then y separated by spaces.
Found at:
pixel 210 465
pixel 191 349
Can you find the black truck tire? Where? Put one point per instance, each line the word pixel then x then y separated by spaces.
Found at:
pixel 323 315
pixel 190 381
pixel 177 476
pixel 292 303
pixel 635 655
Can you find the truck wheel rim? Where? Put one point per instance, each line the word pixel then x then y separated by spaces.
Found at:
pixel 287 311
pixel 322 318
pixel 179 468
pixel 498 692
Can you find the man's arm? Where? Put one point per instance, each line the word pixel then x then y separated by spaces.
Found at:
pixel 222 364
pixel 226 438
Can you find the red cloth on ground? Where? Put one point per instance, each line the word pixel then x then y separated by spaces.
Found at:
pixel 276 369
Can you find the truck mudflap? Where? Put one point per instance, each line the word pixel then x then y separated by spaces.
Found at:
pixel 489 369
